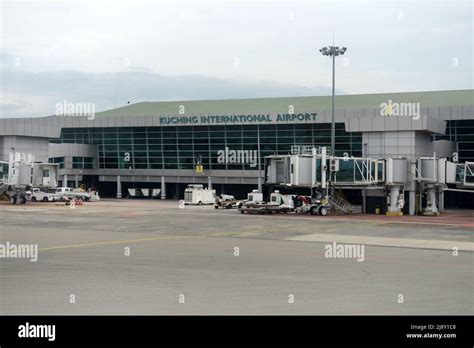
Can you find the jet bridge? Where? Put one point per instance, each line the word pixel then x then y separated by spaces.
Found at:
pixel 315 168
pixel 460 174
pixel 20 173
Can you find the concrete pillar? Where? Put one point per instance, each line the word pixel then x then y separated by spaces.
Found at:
pixel 119 187
pixel 441 201
pixel 209 183
pixel 259 183
pixel 65 180
pixel 76 181
pixel 364 202
pixel 412 202
pixel 163 188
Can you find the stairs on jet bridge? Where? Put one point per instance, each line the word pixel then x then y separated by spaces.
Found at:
pixel 340 203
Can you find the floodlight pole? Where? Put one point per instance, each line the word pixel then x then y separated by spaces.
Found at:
pixel 333 51
pixel 333 124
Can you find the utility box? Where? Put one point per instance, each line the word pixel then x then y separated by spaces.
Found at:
pixel 334 165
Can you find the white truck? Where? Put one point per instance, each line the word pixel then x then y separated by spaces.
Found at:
pixel 36 195
pixel 197 194
pixel 68 193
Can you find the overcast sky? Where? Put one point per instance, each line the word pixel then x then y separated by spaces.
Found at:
pixel 112 52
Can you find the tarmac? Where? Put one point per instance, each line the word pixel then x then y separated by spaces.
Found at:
pixel 152 257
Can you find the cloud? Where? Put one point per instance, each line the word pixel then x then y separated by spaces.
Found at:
pixel 91 51
pixel 30 94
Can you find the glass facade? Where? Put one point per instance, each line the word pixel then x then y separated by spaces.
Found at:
pixel 83 162
pixel 3 170
pixel 57 160
pixel 462 132
pixel 183 146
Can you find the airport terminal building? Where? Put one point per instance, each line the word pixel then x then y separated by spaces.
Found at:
pixel 222 143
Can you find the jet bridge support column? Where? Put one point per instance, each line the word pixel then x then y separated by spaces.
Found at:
pixel 395 204
pixel 65 180
pixel 431 208
pixel 441 200
pixel 412 202
pixel 364 201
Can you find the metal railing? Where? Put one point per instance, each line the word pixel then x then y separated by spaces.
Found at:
pixel 308 150
pixel 340 203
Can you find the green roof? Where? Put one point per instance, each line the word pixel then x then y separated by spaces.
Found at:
pixel 280 105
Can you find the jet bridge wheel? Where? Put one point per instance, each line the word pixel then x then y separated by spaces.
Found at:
pixel 323 211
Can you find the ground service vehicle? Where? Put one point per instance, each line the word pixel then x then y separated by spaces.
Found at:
pixel 278 204
pixel 255 197
pixel 36 195
pixel 228 202
pixel 305 204
pixel 197 194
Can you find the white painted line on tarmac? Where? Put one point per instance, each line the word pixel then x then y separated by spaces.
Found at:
pixel 384 241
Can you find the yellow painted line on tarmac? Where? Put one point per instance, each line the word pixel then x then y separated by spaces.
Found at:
pixel 110 242
pixel 203 235
pixel 210 234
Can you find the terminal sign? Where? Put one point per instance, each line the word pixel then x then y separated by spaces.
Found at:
pixel 238 119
